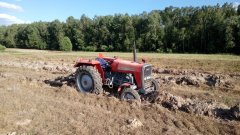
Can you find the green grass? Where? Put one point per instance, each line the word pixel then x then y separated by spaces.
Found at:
pixel 129 55
pixel 2 48
pixel 215 63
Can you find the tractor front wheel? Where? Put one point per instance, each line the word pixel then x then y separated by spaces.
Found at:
pixel 155 85
pixel 130 94
pixel 88 80
pixel 151 97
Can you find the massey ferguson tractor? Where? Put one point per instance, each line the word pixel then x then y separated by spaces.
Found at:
pixel 132 80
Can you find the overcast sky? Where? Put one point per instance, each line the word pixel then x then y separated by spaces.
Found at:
pixel 27 11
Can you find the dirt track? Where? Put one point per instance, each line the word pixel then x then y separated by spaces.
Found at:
pixel 28 105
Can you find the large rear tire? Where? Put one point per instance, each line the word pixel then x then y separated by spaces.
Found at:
pixel 88 80
pixel 130 94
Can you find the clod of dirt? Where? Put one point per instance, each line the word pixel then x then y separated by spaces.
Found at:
pixel 40 65
pixel 12 133
pixel 186 80
pixel 193 78
pixel 2 75
pixel 24 122
pixel 211 108
pixel 48 68
pixel 133 123
pixel 236 111
pixel 162 71
pixel 212 80
pixel 62 69
pixel 178 124
pixel 199 107
pixel 170 101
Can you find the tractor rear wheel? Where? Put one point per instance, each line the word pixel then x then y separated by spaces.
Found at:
pixel 88 80
pixel 130 94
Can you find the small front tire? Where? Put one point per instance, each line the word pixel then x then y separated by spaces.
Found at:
pixel 130 94
pixel 155 88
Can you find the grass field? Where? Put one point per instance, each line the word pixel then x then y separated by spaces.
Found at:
pixel 215 63
pixel 126 55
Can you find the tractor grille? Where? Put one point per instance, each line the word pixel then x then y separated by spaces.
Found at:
pixel 147 84
pixel 147 71
pixel 146 76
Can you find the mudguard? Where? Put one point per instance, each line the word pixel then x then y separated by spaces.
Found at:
pixel 124 85
pixel 93 63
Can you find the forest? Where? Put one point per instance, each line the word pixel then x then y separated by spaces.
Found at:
pixel 206 29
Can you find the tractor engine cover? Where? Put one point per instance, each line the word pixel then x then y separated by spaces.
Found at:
pixel 140 71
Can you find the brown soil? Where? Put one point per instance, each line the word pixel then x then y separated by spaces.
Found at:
pixel 31 106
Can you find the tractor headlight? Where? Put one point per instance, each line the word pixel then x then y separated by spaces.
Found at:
pixel 146 78
pixel 147 71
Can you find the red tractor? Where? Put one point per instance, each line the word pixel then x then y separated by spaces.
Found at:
pixel 132 80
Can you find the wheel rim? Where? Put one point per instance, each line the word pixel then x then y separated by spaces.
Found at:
pixel 85 82
pixel 129 96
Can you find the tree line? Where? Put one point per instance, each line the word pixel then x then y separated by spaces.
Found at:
pixel 206 29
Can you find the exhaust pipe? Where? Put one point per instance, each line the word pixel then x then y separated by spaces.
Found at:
pixel 134 52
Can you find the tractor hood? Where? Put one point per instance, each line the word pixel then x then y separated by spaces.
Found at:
pixel 140 71
pixel 125 66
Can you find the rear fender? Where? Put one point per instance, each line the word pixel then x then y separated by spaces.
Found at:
pixel 124 85
pixel 93 63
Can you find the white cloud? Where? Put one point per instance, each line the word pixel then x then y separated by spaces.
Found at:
pixel 6 19
pixel 235 5
pixel 10 6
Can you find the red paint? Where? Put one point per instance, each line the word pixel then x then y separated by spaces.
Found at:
pixel 124 85
pixel 124 66
pixel 93 63
pixel 117 65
